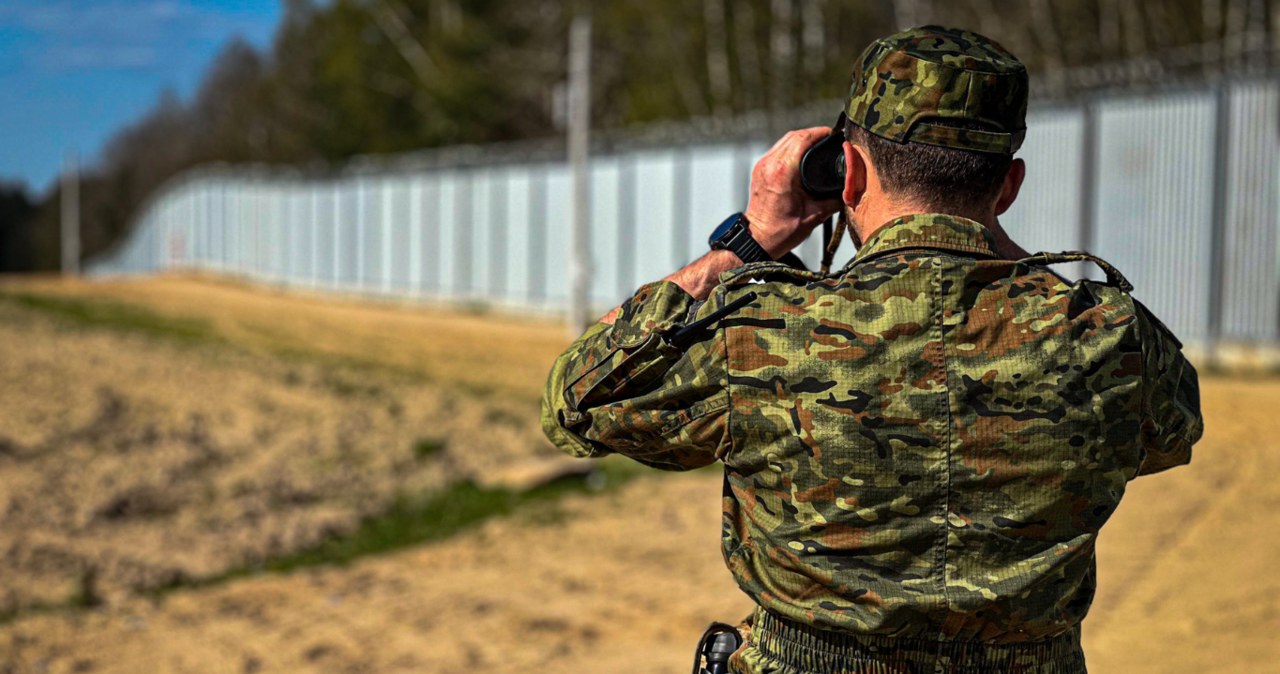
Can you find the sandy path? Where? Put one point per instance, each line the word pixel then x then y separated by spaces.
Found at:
pixel 1187 567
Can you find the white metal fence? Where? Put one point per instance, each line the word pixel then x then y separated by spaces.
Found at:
pixel 1178 189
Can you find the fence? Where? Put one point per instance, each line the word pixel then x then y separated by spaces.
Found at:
pixel 1179 189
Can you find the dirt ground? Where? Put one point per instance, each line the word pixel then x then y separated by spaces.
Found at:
pixel 620 581
pixel 131 462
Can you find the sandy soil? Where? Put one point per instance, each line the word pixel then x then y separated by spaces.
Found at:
pixel 623 581
pixel 131 462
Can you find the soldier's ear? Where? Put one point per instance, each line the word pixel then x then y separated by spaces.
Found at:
pixel 1012 185
pixel 856 165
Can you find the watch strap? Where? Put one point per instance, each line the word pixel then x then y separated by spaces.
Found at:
pixel 739 241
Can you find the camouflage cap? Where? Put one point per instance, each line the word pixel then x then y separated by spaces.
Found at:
pixel 915 85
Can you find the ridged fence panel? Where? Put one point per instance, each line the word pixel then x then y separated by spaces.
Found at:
pixel 1179 189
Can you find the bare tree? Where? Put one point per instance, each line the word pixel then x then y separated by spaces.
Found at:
pixel 446 14
pixel 1256 32
pixel 717 57
pixel 687 87
pixel 1109 27
pixel 990 20
pixel 744 44
pixel 1163 33
pixel 1135 29
pixel 813 37
pixel 1211 26
pixel 1235 26
pixel 1275 29
pixel 389 16
pixel 1045 25
pixel 782 52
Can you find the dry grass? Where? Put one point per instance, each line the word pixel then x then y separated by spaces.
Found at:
pixel 132 460
pixel 477 352
pixel 618 583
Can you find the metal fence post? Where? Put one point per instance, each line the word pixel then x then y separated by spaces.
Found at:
pixel 680 175
pixel 1088 177
pixel 386 225
pixel 498 233
pixel 414 195
pixel 1218 234
pixel 579 147
pixel 537 236
pixel 431 234
pixel 463 232
pixel 362 231
pixel 626 224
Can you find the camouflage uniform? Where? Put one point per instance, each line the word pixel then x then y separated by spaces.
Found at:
pixel 919 450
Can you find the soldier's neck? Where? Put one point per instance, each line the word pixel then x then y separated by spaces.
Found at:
pixel 1005 247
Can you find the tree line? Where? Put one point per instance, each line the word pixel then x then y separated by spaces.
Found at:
pixel 357 77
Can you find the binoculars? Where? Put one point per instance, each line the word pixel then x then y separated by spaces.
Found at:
pixel 822 166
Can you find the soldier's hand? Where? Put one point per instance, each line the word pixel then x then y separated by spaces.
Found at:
pixel 781 214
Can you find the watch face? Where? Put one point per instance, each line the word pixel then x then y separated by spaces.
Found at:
pixel 722 230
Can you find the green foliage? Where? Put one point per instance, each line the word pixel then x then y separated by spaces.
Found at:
pixel 86 595
pixel 16 212
pixel 411 521
pixel 459 507
pixel 426 448
pixel 100 313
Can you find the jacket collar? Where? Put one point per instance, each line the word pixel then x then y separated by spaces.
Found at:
pixel 929 230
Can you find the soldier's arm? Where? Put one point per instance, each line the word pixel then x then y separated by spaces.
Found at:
pixel 1171 421
pixel 624 388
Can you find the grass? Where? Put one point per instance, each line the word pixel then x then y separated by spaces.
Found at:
pixel 99 313
pixel 408 522
pixel 426 448
pixel 497 415
pixel 85 596
pixel 413 521
pixel 477 354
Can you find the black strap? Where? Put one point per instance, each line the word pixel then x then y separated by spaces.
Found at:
pixel 682 336
pixel 741 243
pixel 1114 277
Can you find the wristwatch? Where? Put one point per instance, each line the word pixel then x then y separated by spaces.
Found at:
pixel 732 235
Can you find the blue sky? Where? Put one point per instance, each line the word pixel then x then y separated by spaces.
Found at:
pixel 75 71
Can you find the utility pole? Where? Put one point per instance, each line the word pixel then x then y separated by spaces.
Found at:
pixel 579 139
pixel 71 215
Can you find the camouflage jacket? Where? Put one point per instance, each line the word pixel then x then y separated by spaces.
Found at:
pixel 924 444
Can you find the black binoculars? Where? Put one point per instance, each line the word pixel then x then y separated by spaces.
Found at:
pixel 822 166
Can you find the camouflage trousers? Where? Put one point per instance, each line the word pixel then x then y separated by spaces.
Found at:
pixel 775 645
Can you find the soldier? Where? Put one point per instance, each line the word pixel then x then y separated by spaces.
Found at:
pixel 920 449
